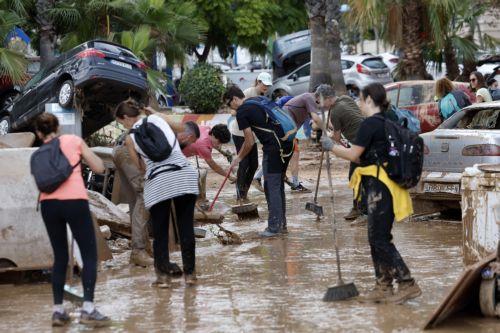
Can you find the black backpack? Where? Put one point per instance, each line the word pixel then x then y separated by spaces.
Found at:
pixel 50 167
pixel 405 155
pixel 152 141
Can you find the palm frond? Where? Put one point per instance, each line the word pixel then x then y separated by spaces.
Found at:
pixel 8 21
pixel 13 64
pixel 490 42
pixel 466 48
pixel 155 79
pixel 65 14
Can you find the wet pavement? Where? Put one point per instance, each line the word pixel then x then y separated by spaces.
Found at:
pixel 268 285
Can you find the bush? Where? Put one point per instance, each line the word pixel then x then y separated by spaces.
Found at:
pixel 202 88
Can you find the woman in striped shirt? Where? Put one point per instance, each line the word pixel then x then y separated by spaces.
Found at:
pixel 171 180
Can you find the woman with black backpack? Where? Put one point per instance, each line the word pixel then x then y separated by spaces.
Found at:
pixel 68 205
pixel 169 178
pixel 383 198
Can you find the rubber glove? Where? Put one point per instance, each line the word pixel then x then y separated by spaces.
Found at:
pixel 326 143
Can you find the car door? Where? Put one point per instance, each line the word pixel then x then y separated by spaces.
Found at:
pixel 47 86
pixel 419 99
pixel 299 80
pixel 26 105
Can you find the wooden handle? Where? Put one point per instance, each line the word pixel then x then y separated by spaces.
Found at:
pixel 220 189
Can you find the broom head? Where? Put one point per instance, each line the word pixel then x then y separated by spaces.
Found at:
pixel 315 208
pixel 341 292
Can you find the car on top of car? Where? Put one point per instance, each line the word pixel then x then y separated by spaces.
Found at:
pixel 94 76
pixel 418 97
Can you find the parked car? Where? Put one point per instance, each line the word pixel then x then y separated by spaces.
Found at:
pixel 95 76
pixel 359 71
pixel 290 52
pixel 418 97
pixel 391 60
pixel 9 91
pixel 471 136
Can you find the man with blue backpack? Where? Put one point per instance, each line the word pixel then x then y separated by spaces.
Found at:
pixel 276 131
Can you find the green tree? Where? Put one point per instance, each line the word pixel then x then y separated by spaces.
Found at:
pixel 247 23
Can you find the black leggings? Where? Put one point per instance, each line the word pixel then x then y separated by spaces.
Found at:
pixel 246 169
pixel 56 214
pixel 160 216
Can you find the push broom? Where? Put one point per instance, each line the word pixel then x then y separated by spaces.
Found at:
pixel 342 290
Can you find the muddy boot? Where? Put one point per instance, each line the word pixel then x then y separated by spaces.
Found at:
pixel 380 293
pixel 362 220
pixel 353 214
pixel 60 319
pixel 140 258
pixel 258 185
pixel 94 319
pixel 406 291
pixel 162 280
pixel 190 279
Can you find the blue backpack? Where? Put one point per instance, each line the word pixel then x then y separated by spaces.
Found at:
pixel 495 94
pixel 283 100
pixel 407 119
pixel 282 124
pixel 448 106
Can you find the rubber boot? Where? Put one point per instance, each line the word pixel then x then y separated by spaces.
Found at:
pixel 140 258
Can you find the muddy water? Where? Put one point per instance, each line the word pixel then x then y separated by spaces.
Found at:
pixel 268 285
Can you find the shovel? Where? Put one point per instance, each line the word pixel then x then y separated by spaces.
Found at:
pixel 314 206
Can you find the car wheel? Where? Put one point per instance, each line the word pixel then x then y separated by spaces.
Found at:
pixel 8 100
pixel 162 102
pixel 4 125
pixel 65 94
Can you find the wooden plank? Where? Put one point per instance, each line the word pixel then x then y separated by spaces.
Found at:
pixel 463 294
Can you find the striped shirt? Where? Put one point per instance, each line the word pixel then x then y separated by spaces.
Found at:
pixel 173 177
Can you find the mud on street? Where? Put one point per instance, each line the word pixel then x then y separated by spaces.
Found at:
pixel 270 285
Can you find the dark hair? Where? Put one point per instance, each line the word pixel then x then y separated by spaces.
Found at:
pixel 232 91
pixel 221 133
pixel 377 93
pixel 46 123
pixel 481 83
pixel 192 127
pixel 491 80
pixel 129 107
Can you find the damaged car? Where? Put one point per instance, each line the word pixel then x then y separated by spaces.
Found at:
pixel 471 136
pixel 93 77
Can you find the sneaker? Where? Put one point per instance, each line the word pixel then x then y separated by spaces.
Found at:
pixel 258 184
pixel 360 221
pixel 268 234
pixel 289 182
pixel 299 188
pixel 406 291
pixel 162 281
pixel 95 318
pixel 190 279
pixel 60 319
pixel 378 294
pixel 353 214
pixel 141 258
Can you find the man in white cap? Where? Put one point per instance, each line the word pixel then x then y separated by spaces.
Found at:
pixel 262 84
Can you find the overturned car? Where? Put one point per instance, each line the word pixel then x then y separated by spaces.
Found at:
pixel 92 77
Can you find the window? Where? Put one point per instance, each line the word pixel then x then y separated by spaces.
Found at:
pixel 304 71
pixel 346 64
pixel 392 95
pixel 113 49
pixel 35 79
pixel 374 63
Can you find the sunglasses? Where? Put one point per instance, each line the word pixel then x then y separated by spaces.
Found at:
pixel 228 102
pixel 473 80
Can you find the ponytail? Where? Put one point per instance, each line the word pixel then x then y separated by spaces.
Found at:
pixel 377 93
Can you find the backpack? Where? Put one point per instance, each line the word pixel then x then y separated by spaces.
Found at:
pixel 405 156
pixel 448 106
pixel 152 141
pixel 280 120
pixel 50 167
pixel 495 94
pixel 407 119
pixel 283 100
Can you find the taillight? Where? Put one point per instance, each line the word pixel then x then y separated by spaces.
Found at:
pixel 141 65
pixel 90 53
pixel 361 69
pixel 426 150
pixel 394 60
pixel 481 150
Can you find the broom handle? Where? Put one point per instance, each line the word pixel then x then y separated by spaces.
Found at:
pixel 220 189
pixel 319 176
pixel 332 199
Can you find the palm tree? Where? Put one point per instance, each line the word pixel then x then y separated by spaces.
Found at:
pixel 46 30
pixel 316 10
pixel 332 39
pixel 12 63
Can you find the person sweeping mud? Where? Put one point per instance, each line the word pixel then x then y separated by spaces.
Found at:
pixel 385 200
pixel 168 177
pixel 68 205
pixel 253 119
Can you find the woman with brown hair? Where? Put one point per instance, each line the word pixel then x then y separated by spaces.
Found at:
pixel 478 85
pixel 68 204
pixel 450 100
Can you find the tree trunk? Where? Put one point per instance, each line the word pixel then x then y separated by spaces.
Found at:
pixel 412 65
pixel 450 58
pixel 46 30
pixel 332 39
pixel 204 55
pixel 319 55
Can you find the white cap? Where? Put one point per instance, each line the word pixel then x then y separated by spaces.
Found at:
pixel 265 78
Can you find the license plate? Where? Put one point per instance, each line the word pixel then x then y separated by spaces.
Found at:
pixel 383 75
pixel 442 188
pixel 121 64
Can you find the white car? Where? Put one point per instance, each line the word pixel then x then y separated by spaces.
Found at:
pixel 391 60
pixel 471 136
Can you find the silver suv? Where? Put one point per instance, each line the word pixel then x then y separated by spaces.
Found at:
pixel 359 71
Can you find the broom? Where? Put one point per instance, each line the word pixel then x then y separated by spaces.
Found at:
pixel 245 211
pixel 342 290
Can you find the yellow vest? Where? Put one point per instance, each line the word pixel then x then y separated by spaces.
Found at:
pixel 401 201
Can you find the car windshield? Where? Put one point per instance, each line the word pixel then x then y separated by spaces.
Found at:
pixel 374 63
pixel 415 94
pixel 474 119
pixel 113 49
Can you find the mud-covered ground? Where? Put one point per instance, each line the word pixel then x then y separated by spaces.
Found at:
pixel 268 285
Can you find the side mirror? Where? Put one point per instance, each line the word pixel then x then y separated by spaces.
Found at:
pixel 294 77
